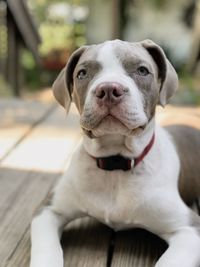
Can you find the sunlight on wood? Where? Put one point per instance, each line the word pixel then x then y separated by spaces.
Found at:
pixel 189 116
pixel 43 154
pixel 17 117
pixel 48 146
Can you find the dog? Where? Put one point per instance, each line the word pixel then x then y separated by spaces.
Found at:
pixel 127 171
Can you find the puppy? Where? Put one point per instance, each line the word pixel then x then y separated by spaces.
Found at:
pixel 127 171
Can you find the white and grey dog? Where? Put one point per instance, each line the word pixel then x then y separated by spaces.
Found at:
pixel 127 171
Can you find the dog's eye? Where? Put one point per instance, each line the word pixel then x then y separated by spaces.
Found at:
pixel 143 71
pixel 81 74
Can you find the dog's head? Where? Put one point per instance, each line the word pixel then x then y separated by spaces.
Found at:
pixel 116 85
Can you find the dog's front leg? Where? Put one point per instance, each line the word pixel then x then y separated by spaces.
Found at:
pixel 46 229
pixel 184 248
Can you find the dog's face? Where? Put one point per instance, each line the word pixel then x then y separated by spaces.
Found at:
pixel 116 85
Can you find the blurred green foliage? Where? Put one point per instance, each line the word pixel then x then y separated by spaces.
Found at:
pixel 35 76
pixel 39 7
pixel 55 36
pixel 28 61
pixel 60 35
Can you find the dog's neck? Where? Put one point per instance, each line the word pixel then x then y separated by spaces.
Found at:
pixel 129 146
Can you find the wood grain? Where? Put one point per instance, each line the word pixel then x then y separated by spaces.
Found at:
pixel 86 243
pixel 28 172
pixel 17 119
pixel 137 248
pixel 17 210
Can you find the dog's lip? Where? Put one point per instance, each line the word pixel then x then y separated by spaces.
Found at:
pixel 111 116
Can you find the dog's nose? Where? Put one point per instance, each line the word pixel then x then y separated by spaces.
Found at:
pixel 110 91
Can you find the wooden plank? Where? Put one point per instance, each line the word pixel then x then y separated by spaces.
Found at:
pixel 21 255
pixel 137 248
pixel 85 243
pixel 13 66
pixel 25 181
pixel 47 146
pixel 17 119
pixel 25 25
pixel 16 212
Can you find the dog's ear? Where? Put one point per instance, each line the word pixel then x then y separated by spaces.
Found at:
pixel 166 72
pixel 63 85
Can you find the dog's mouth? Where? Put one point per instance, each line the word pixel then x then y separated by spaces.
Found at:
pixel 109 123
pixel 112 118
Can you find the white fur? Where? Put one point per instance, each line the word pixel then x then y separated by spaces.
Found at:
pixel 146 196
pixel 45 238
pixel 183 249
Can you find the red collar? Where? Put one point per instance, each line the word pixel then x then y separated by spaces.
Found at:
pixel 118 162
pixel 145 151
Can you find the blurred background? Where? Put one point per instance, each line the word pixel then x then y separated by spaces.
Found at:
pixel 38 36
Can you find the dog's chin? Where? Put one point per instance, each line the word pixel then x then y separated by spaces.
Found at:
pixel 112 125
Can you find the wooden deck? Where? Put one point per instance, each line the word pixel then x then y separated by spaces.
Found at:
pixel 36 139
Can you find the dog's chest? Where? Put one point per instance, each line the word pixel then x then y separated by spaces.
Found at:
pixel 116 200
